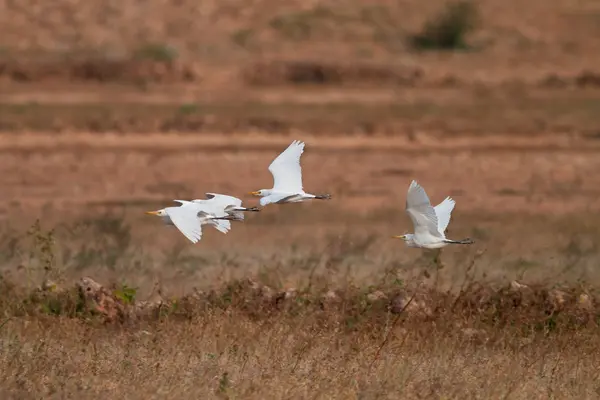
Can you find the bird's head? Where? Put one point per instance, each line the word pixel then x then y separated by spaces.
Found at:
pixel 158 213
pixel 407 237
pixel 261 193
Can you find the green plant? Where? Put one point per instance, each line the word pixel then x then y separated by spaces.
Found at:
pixel 188 108
pixel 126 294
pixel 449 29
pixel 156 52
pixel 42 251
pixel 224 383
pixel 242 37
pixel 52 306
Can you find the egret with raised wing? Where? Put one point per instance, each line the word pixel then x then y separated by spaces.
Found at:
pixel 287 179
pixel 430 222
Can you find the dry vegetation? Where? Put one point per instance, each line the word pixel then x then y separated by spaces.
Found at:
pixel 111 108
pixel 304 324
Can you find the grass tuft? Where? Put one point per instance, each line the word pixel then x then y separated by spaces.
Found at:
pixel 158 52
pixel 449 29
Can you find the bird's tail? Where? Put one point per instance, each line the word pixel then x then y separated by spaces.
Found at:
pixel 463 241
pixel 235 216
pixel 237 213
pixel 236 208
pixel 323 197
pixel 221 224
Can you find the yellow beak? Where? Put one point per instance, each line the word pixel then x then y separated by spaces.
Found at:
pixel 398 237
pixel 254 193
pixel 152 212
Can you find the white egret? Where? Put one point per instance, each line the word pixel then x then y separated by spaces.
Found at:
pixel 189 218
pixel 222 205
pixel 430 223
pixel 287 179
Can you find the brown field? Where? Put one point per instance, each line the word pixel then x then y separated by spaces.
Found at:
pixel 109 109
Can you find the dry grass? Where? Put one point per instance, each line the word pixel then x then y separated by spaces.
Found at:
pixel 325 338
pixel 225 354
pixel 504 104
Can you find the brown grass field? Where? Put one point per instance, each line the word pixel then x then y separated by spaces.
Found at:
pixel 109 109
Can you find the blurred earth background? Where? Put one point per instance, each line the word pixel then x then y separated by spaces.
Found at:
pixel 109 109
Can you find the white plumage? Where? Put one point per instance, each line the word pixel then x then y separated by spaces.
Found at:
pixel 429 223
pixel 287 179
pixel 216 210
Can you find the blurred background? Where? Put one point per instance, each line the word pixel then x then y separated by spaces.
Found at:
pixel 111 108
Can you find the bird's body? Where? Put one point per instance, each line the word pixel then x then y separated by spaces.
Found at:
pixel 287 179
pixel 221 205
pixel 430 222
pixel 217 210
pixel 189 218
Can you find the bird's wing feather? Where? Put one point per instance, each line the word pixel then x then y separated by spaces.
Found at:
pixel 182 202
pixel 206 218
pixel 443 212
pixel 210 207
pixel 420 211
pixel 230 210
pixel 215 209
pixel 186 220
pixel 286 170
pixel 275 198
pixel 222 225
pixel 224 199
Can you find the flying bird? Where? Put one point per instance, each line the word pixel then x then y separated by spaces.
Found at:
pixel 430 223
pixel 189 218
pixel 216 210
pixel 221 205
pixel 287 179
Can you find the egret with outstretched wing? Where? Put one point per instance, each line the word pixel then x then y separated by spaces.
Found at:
pixel 430 223
pixel 287 179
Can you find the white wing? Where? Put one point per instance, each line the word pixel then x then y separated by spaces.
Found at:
pixel 222 225
pixel 216 210
pixel 224 199
pixel 274 198
pixel 186 220
pixel 286 170
pixel 210 207
pixel 443 211
pixel 420 211
pixel 213 208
